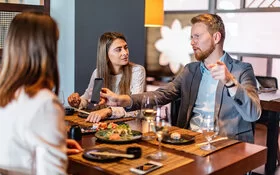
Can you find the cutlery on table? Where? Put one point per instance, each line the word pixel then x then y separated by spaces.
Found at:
pixel 80 110
pixel 212 141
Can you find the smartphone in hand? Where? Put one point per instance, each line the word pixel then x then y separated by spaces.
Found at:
pixel 146 168
pixel 98 84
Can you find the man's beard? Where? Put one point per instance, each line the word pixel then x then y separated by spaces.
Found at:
pixel 201 56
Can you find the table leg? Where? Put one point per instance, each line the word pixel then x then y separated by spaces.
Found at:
pixel 272 142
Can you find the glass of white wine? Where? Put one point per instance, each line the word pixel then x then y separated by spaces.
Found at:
pixel 149 112
pixel 161 127
pixel 209 128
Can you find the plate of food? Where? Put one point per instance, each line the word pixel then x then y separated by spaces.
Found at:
pixel 96 127
pixel 90 154
pixel 177 138
pixel 118 133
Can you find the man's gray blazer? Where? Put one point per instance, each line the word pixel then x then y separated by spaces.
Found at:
pixel 236 114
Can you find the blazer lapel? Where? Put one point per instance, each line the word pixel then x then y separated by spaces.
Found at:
pixel 220 88
pixel 193 92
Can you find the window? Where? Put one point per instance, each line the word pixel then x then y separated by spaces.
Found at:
pixel 265 66
pixel 252 32
pixel 30 2
pixel 9 8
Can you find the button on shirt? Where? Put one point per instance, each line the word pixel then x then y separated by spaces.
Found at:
pixel 205 102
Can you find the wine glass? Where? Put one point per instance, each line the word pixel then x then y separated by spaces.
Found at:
pixel 61 97
pixel 161 127
pixel 149 112
pixel 209 128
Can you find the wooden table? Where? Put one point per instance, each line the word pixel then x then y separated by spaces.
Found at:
pixel 236 159
pixel 270 103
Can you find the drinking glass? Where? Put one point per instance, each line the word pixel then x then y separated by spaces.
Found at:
pixel 149 112
pixel 61 97
pixel 161 127
pixel 209 128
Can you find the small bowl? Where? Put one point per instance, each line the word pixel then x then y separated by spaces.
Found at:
pixel 69 111
pixel 135 150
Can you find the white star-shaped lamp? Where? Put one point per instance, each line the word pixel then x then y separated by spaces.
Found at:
pixel 175 46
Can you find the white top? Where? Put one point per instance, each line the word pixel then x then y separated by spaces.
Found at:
pixel 137 86
pixel 29 124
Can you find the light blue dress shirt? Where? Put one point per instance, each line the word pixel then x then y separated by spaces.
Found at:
pixel 205 101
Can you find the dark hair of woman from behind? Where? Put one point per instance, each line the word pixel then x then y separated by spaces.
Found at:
pixel 29 56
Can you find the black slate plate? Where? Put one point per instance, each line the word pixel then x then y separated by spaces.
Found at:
pixel 185 139
pixel 102 158
pixel 82 115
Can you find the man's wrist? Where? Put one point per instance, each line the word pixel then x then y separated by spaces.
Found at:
pixel 125 101
pixel 231 83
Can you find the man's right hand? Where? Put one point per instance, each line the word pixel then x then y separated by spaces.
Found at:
pixel 111 99
pixel 74 100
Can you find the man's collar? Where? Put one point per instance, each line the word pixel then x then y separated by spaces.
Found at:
pixel 203 68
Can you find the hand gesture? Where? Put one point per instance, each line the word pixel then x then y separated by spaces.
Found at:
pixel 219 71
pixel 111 99
pixel 74 100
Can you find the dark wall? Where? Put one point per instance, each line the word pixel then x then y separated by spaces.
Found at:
pixel 93 18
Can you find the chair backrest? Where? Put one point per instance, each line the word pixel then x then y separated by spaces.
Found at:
pixel 267 82
pixel 175 105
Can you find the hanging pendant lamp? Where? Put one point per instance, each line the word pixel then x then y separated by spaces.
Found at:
pixel 154 13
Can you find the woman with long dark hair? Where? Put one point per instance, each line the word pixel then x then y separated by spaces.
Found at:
pixel 119 74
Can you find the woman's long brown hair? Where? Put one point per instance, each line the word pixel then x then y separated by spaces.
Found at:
pixel 103 63
pixel 29 56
